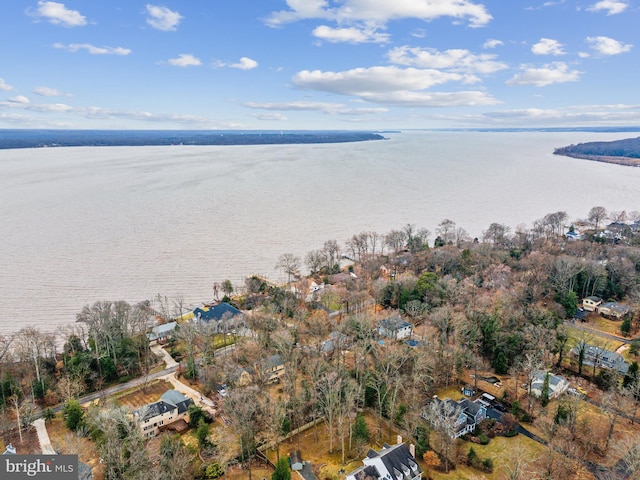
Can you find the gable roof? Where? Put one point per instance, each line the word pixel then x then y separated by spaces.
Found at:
pixel 392 462
pixel 216 312
pixel 169 401
pixel 398 459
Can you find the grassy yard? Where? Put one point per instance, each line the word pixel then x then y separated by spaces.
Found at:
pixel 575 335
pixel 500 450
pixel 315 448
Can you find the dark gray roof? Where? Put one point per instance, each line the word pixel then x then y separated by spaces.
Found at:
pixel 398 459
pixel 170 400
pixel 216 312
pixel 85 472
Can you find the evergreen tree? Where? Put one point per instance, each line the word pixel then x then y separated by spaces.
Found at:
pixel 282 471
pixel 73 415
pixel 544 396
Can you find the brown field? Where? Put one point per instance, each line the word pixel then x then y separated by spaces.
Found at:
pixel 139 397
pixel 29 444
pixel 68 443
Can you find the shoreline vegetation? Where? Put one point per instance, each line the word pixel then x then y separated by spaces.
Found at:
pixel 619 152
pixel 11 139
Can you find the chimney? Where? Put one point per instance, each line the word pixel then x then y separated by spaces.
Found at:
pixel 412 450
pixel 399 439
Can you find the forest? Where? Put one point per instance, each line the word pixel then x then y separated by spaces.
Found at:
pixel 628 148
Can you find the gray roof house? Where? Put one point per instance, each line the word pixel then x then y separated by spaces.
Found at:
pixel 465 414
pixel 557 384
pixel 162 332
pixel 395 462
pixel 172 407
pixel 395 327
pixel 602 358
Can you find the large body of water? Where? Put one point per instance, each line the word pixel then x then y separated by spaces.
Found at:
pixel 83 224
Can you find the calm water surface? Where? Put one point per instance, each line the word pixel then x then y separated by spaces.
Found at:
pixel 84 224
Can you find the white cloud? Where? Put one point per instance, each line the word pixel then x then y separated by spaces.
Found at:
pixel 22 102
pixel 245 63
pixel 5 86
pixel 572 115
pixel 392 85
pixel 57 14
pixel 492 43
pixel 271 116
pixel 557 72
pixel 547 46
pixel 185 60
pixel 381 11
pixel 433 99
pixel 161 18
pixel 325 107
pixel 612 7
pixel 458 60
pixel 19 99
pixel 350 35
pixel 93 50
pixel 48 92
pixel 608 46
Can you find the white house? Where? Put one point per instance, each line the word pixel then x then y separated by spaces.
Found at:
pixel 591 303
pixel 395 462
pixel 395 327
pixel 557 384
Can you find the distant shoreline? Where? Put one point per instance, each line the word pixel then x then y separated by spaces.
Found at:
pixel 15 139
pixel 626 161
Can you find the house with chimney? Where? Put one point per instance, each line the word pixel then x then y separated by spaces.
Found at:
pixel 395 462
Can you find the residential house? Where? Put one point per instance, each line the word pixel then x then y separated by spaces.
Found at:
pixel 9 450
pixel 602 358
pixel 160 333
pixel 170 412
pixel 573 236
pixel 591 303
pixel 237 375
pixel 395 327
pixel 613 310
pixel 273 369
pixel 464 414
pixel 215 312
pixel 557 384
pixel 336 341
pixel 395 462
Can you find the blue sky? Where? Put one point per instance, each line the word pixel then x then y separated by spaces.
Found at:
pixel 319 64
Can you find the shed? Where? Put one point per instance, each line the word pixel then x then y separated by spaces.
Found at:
pixel 295 460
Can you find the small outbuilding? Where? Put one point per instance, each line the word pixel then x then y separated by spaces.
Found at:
pixel 295 460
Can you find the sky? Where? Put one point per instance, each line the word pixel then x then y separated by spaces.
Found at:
pixel 319 64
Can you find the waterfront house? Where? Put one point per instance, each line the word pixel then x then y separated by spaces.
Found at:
pixel 216 312
pixel 163 332
pixel 392 462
